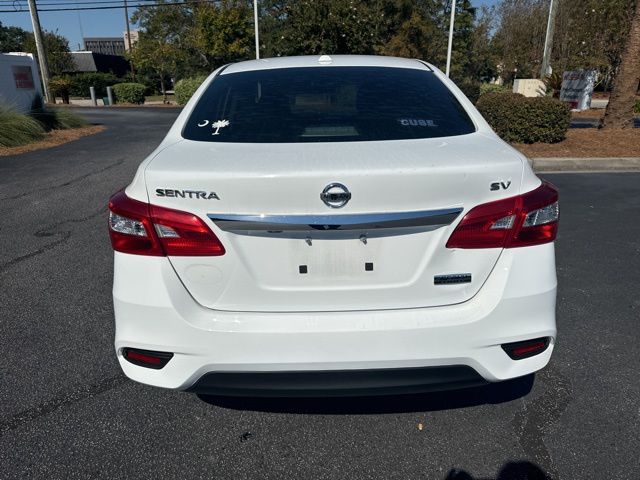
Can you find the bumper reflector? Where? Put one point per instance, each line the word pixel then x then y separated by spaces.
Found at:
pixel 526 349
pixel 147 358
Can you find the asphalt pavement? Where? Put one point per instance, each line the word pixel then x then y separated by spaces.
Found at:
pixel 66 410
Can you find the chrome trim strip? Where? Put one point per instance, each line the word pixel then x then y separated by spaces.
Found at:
pixel 365 221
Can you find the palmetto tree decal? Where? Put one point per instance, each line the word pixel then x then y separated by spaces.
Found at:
pixel 218 125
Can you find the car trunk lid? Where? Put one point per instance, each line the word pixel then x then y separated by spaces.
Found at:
pixel 286 250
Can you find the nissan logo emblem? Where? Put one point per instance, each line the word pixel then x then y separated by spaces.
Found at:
pixel 335 195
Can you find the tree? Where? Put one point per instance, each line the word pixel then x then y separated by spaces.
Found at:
pixel 463 40
pixel 61 86
pixel 588 34
pixel 519 38
pixel 222 32
pixel 57 51
pixel 11 38
pixel 619 113
pixel 483 56
pixel 315 27
pixel 413 30
pixel 161 44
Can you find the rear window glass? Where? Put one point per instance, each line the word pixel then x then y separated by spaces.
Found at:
pixel 326 104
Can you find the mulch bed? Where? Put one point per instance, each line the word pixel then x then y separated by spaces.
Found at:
pixel 588 142
pixel 590 113
pixel 52 139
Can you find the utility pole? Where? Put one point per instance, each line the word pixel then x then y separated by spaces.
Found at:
pixel 548 41
pixel 450 46
pixel 42 56
pixel 255 26
pixel 126 16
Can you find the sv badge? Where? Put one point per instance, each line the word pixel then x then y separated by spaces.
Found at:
pixel 500 185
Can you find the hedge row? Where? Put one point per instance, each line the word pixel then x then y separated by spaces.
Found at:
pixel 521 119
pixel 79 85
pixel 186 87
pixel 129 93
pixel 494 88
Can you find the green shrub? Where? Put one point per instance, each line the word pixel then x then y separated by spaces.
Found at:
pixel 61 86
pixel 147 78
pixel 129 93
pixel 494 88
pixel 470 88
pixel 186 87
pixel 57 119
pixel 17 129
pixel 67 119
pixel 525 120
pixel 82 81
pixel 636 107
pixel 553 83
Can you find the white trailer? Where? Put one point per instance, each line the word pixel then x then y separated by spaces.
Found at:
pixel 19 80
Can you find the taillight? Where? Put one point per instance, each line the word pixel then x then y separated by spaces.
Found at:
pixel 526 349
pixel 147 358
pixel 522 221
pixel 143 229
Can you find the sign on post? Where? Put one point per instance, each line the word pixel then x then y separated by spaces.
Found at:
pixel 577 88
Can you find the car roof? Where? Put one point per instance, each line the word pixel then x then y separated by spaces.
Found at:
pixel 324 61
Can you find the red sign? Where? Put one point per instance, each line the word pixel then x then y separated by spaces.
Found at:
pixel 23 77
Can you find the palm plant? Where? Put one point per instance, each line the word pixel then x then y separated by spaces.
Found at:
pixel 218 125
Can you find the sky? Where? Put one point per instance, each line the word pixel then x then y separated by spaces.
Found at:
pixel 76 25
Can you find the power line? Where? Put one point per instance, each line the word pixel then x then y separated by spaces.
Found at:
pixel 137 5
pixel 5 3
pixel 13 2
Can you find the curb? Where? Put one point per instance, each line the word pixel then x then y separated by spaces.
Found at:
pixel 559 164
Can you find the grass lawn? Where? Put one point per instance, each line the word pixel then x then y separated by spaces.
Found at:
pixel 158 98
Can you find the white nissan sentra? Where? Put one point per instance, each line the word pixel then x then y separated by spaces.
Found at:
pixel 338 225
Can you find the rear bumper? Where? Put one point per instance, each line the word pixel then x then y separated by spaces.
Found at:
pixel 213 349
pixel 338 383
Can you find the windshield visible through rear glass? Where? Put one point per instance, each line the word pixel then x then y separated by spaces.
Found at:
pixel 326 104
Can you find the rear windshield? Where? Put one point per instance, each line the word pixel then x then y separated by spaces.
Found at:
pixel 326 104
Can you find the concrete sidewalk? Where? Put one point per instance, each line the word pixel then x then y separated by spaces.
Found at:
pixel 87 102
pixel 560 164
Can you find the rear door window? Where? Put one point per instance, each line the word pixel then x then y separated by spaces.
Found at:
pixel 326 104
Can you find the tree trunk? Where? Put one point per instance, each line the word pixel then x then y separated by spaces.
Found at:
pixel 164 90
pixel 619 113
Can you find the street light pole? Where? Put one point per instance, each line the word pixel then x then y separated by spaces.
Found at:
pixel 126 16
pixel 548 40
pixel 255 26
pixel 450 46
pixel 42 56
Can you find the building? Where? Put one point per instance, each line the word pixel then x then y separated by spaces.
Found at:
pixel 19 80
pixel 134 39
pixel 97 62
pixel 105 45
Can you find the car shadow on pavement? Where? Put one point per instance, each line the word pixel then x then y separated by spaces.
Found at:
pixel 493 393
pixel 522 470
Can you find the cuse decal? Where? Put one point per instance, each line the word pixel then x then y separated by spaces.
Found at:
pixel 417 122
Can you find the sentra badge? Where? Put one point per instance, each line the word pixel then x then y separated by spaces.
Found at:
pixel 168 192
